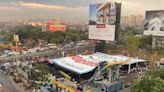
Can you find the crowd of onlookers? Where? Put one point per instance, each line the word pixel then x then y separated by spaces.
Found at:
pixel 136 73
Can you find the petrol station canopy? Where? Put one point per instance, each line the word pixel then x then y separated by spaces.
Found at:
pixel 82 64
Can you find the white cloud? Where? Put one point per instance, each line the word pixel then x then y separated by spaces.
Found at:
pixel 41 6
pixel 80 8
pixel 8 8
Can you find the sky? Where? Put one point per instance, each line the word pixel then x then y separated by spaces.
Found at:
pixel 92 12
pixel 67 9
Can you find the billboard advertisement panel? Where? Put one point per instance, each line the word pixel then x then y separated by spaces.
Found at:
pixel 102 21
pixel 154 23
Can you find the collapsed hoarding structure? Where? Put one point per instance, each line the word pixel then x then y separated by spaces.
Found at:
pixel 104 68
pixel 85 63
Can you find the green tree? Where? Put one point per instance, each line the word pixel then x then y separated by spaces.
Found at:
pixel 40 72
pixel 146 42
pixel 153 81
pixel 155 72
pixel 84 37
pixel 68 39
pixel 148 84
pixel 29 32
pixel 58 39
pixel 130 30
pixel 75 37
pixel 132 43
pixel 100 47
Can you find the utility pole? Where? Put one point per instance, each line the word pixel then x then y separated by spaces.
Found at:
pixel 16 40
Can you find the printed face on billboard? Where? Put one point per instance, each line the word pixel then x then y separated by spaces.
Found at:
pixel 102 20
pixel 154 23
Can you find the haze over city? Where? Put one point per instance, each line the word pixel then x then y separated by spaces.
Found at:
pixel 81 46
pixel 67 9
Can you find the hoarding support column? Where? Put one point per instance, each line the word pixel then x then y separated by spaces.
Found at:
pixel 110 73
pixel 154 42
pixel 129 68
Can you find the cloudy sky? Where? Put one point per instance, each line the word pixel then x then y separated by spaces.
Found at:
pixel 67 9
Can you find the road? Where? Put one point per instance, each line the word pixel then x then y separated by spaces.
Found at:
pixel 48 53
pixel 9 87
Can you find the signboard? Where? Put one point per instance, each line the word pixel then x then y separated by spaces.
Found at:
pixel 154 23
pixel 102 21
pixel 16 38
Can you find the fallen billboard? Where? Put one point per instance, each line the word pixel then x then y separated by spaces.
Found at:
pixel 82 64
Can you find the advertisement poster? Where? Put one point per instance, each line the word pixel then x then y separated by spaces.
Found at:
pixel 154 23
pixel 102 21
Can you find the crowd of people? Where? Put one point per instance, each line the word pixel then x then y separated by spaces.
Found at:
pixel 136 73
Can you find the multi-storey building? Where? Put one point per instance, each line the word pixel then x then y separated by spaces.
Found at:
pixel 54 26
pixel 132 21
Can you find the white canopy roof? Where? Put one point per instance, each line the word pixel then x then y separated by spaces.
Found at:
pixel 85 63
pixel 79 64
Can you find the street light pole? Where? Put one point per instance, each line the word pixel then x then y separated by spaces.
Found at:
pixel 16 40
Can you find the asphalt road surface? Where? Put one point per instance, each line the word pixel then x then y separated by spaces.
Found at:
pixel 46 53
pixel 5 81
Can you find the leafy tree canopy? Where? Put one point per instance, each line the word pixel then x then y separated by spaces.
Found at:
pixel 35 33
pixel 153 81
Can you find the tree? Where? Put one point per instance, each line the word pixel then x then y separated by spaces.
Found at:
pixel 68 39
pixel 75 37
pixel 153 81
pixel 155 72
pixel 100 47
pixel 84 37
pixel 8 38
pixel 125 32
pixel 148 84
pixel 29 32
pixel 154 57
pixel 40 72
pixel 58 39
pixel 146 42
pixel 132 43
